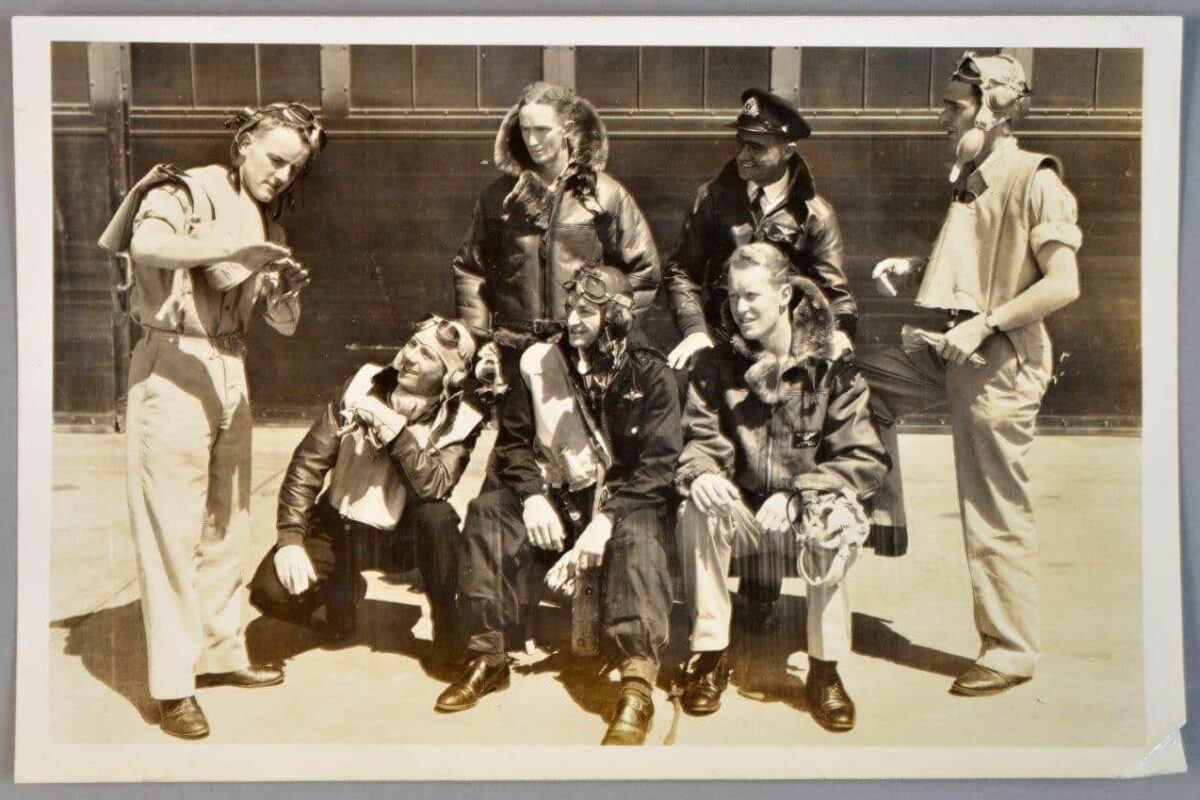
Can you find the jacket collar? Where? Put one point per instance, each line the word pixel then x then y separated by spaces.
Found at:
pixel 812 343
pixel 801 187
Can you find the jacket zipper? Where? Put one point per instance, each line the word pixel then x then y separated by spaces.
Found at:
pixel 770 446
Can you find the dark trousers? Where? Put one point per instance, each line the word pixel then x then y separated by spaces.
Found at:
pixel 431 527
pixel 636 588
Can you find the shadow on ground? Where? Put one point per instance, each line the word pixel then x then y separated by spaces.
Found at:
pixel 111 645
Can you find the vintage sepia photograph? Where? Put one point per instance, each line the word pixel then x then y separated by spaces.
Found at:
pixel 491 398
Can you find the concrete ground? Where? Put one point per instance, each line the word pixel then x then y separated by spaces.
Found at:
pixel 913 630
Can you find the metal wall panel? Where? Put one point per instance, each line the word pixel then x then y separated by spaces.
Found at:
pixel 69 72
pixel 505 71
pixel 608 76
pixel 890 75
pixel 831 77
pixel 161 75
pixel 290 72
pixel 224 75
pixel 671 77
pixel 446 77
pixel 381 76
pixel 731 70
pixel 1119 79
pixel 1064 78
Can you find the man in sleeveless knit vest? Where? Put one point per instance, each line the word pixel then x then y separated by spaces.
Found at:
pixel 1003 262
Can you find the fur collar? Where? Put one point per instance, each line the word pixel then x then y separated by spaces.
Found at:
pixel 531 199
pixel 812 343
pixel 801 188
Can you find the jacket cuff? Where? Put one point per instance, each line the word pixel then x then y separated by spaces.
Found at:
pixel 689 472
pixel 289 536
pixel 692 324
pixel 818 482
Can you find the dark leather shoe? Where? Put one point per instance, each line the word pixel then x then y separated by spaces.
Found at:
pixel 248 678
pixel 182 718
pixel 631 721
pixel 702 693
pixel 981 681
pixel 828 701
pixel 480 677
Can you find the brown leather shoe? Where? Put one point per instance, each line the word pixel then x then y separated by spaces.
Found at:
pixel 702 693
pixel 248 678
pixel 631 721
pixel 482 675
pixel 981 681
pixel 828 700
pixel 182 718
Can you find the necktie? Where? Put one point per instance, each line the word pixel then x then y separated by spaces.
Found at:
pixel 756 209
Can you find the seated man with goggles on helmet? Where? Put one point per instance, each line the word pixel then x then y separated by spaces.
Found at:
pixel 586 452
pixel 389 450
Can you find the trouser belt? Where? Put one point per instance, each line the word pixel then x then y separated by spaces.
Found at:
pixel 231 344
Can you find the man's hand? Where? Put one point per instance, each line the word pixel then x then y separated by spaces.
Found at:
pixel 592 541
pixel 256 256
pixel 692 343
pixel 842 346
pixel 714 494
pixel 964 339
pixel 381 420
pixel 542 525
pixel 892 273
pixel 772 517
pixel 294 568
pixel 293 275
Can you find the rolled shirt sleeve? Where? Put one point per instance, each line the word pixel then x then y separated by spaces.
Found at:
pixel 168 204
pixel 1053 212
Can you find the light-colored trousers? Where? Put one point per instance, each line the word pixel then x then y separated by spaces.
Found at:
pixel 707 544
pixel 188 485
pixel 992 413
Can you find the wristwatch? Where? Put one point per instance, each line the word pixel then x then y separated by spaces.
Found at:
pixel 989 320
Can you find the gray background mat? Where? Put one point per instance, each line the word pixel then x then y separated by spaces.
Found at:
pixel 1189 368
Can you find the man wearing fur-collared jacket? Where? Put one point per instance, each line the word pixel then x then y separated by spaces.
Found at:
pixel 553 210
pixel 779 452
pixel 383 457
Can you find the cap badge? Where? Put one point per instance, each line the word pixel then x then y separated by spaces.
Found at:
pixel 751 108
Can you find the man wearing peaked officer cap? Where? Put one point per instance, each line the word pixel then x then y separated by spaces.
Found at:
pixel 764 194
pixel 763 112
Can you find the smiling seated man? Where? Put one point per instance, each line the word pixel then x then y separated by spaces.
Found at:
pixel 587 449
pixel 390 450
pixel 779 451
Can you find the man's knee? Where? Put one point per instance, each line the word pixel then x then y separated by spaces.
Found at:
pixel 267 594
pixel 432 518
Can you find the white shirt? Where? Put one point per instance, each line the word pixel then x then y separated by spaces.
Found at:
pixel 773 194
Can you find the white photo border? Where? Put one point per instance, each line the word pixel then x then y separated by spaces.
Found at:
pixel 39 759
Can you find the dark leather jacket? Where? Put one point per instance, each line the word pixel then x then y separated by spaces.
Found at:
pixel 802 424
pixel 427 472
pixel 525 240
pixel 805 227
pixel 638 413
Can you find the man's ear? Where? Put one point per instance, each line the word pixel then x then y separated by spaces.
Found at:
pixel 243 141
pixel 792 148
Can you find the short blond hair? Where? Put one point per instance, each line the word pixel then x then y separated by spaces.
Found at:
pixel 761 254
